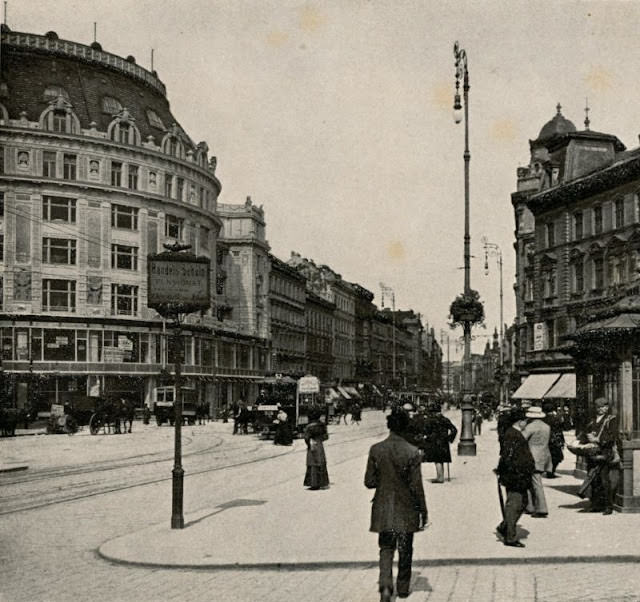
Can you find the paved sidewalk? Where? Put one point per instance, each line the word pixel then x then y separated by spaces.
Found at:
pixel 284 525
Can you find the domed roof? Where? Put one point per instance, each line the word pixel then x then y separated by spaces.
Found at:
pixel 558 125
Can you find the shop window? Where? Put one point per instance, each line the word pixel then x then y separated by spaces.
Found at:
pixel 58 208
pixel 69 165
pixel 59 345
pixel 125 218
pixel 49 164
pixel 36 344
pixel 124 300
pixel 59 250
pixel 124 257
pixel 81 345
pixel 58 295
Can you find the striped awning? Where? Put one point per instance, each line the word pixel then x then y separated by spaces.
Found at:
pixel 344 393
pixel 536 385
pixel 564 387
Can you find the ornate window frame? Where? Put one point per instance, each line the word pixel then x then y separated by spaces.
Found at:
pixel 57 108
pixel 123 129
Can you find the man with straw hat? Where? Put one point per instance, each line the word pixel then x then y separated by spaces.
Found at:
pixel 537 433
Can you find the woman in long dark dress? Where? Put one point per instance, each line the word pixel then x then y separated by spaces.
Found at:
pixel 314 434
pixel 283 434
pixel 439 433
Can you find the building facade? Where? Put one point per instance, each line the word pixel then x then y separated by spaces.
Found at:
pixel 287 307
pixel 96 173
pixel 581 285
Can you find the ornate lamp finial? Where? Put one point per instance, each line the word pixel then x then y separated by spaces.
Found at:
pixel 559 109
pixel 586 114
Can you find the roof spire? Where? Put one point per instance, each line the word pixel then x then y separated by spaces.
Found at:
pixel 586 114
pixel 559 108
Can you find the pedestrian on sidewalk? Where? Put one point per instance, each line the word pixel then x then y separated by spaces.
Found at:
pixel 515 469
pixel 356 413
pixel 476 421
pixel 315 433
pixel 604 467
pixel 439 433
pixel 399 506
pixel 556 436
pixel 537 433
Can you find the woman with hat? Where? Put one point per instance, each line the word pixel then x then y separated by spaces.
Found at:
pixel 537 433
pixel 315 433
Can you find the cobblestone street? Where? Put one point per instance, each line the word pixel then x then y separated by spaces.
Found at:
pixel 50 553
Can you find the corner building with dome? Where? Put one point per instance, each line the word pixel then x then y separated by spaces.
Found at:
pixel 95 174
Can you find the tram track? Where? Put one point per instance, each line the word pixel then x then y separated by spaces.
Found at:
pixel 69 492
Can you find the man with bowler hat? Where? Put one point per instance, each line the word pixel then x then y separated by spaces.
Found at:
pixel 399 506
pixel 515 469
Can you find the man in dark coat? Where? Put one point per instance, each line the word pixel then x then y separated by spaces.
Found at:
pixel 439 432
pixel 515 469
pixel 399 506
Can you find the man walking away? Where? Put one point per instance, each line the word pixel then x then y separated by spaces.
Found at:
pixel 399 506
pixel 515 468
pixel 537 433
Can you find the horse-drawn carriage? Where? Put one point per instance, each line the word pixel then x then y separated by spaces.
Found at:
pixel 112 415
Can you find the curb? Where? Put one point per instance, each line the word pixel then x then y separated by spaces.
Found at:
pixel 16 468
pixel 367 564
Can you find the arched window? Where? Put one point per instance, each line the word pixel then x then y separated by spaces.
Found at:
pixel 52 93
pixel 123 129
pixel 59 117
pixel 111 105
pixel 171 143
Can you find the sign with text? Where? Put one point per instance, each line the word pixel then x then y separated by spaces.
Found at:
pixel 178 279
pixel 309 384
pixel 538 336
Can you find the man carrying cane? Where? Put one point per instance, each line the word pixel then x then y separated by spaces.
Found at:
pixel 515 469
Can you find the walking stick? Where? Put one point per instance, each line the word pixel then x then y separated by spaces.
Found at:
pixel 500 496
pixel 448 474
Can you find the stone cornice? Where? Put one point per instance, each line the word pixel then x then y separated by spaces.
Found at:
pixel 600 181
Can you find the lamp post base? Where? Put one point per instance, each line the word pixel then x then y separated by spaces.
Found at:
pixel 177 516
pixel 467 445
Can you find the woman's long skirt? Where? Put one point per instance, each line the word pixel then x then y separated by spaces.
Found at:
pixel 316 477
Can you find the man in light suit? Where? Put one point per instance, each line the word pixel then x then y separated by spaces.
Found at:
pixel 537 433
pixel 399 505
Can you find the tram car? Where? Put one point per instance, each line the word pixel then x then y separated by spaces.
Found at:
pixel 164 409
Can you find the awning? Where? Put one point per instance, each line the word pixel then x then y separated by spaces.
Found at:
pixel 344 393
pixel 332 394
pixel 536 385
pixel 565 387
pixel 376 390
pixel 352 392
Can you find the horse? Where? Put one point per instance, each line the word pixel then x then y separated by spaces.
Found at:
pixel 127 414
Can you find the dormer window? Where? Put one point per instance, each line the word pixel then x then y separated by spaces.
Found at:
pixel 123 128
pixel 111 105
pixel 52 93
pixel 154 120
pixel 59 117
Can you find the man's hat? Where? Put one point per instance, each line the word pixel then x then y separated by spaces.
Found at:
pixel 601 401
pixel 535 412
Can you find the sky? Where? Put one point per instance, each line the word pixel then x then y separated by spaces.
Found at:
pixel 336 116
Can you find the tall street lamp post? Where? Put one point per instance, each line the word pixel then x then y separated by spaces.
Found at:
pixel 466 445
pixel 494 250
pixel 389 291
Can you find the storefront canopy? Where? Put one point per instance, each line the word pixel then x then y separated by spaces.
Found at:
pixel 352 392
pixel 376 390
pixel 344 393
pixel 332 394
pixel 564 387
pixel 536 385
